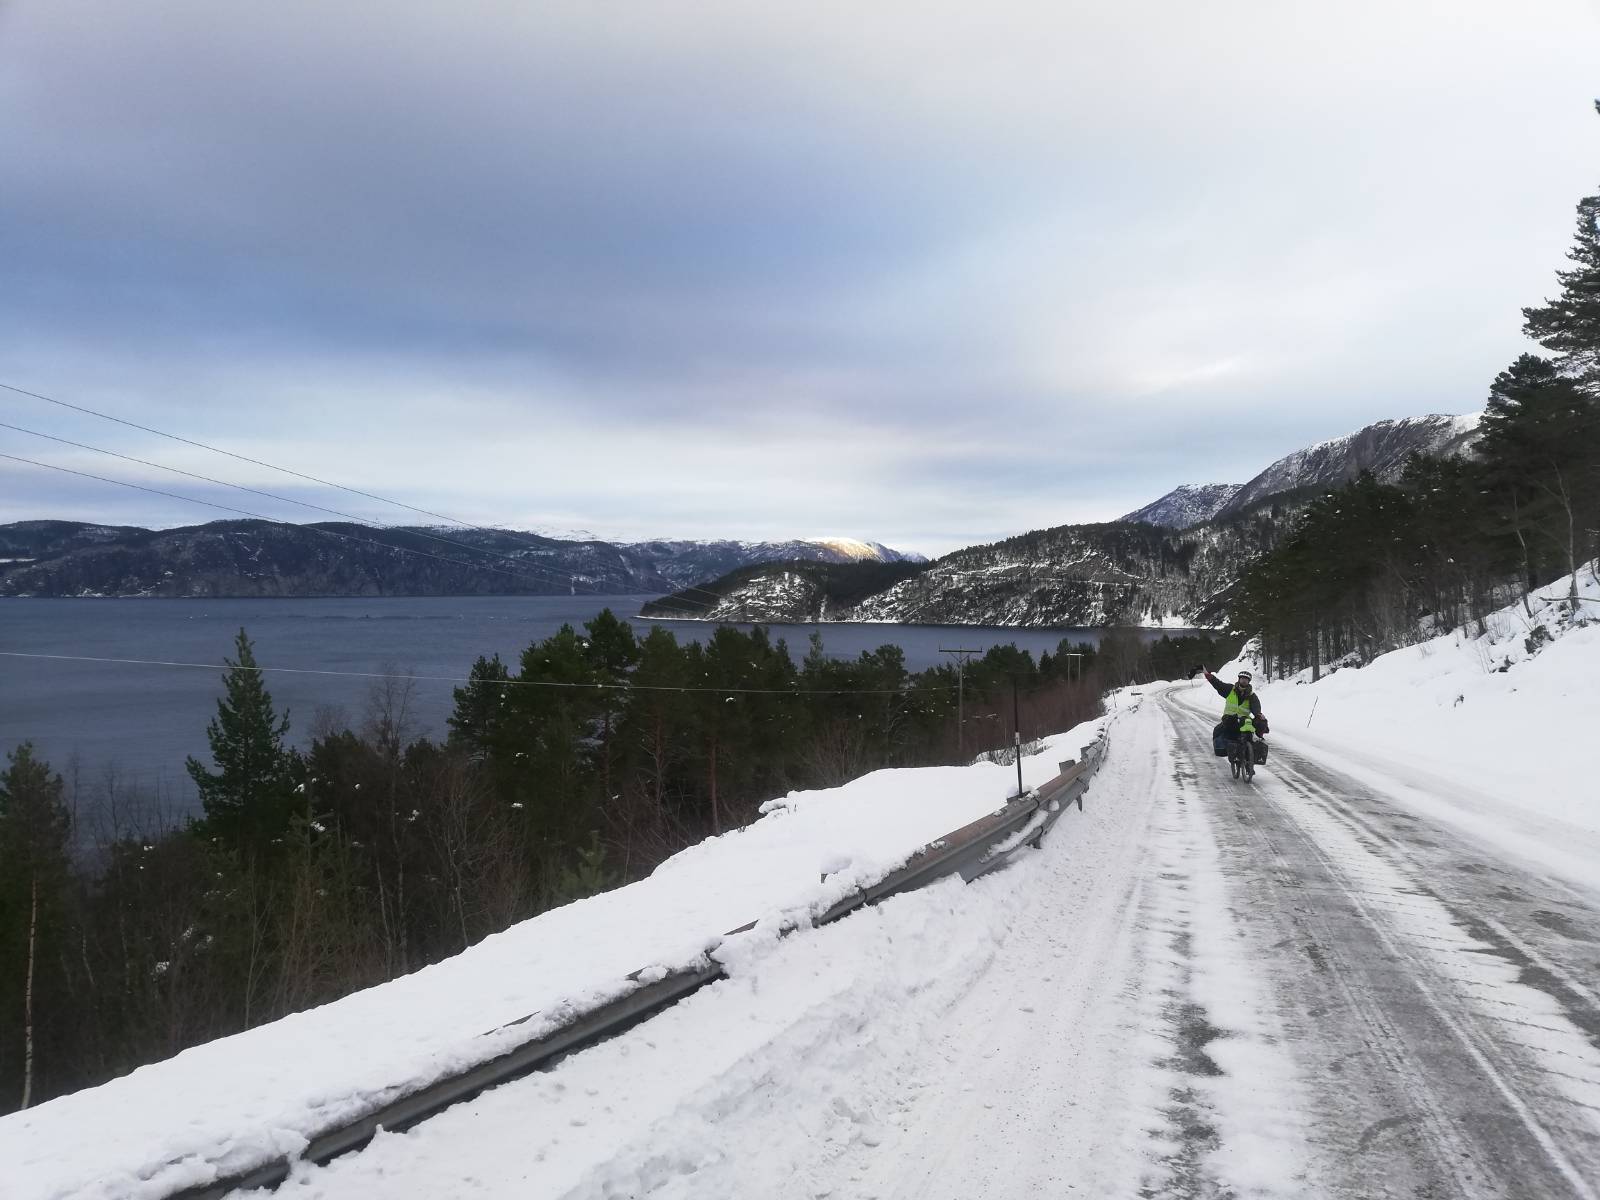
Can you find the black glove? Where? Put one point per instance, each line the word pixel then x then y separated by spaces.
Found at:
pixel 1195 670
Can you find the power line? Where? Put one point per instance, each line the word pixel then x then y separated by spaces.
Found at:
pixel 539 683
pixel 707 605
pixel 244 512
pixel 532 570
pixel 144 462
pixel 427 512
pixel 247 513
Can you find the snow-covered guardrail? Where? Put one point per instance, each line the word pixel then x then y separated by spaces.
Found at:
pixel 973 850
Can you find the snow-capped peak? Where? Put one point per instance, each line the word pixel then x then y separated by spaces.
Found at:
pixel 855 550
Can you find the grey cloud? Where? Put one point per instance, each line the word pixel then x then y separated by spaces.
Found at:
pixel 586 265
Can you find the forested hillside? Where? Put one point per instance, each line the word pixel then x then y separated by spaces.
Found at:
pixel 344 558
pixel 788 592
pixel 1119 573
pixel 1373 565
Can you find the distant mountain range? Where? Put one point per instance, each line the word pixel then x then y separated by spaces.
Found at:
pixel 265 558
pixel 1170 563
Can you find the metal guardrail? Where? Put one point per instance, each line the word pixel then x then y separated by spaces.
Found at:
pixel 975 849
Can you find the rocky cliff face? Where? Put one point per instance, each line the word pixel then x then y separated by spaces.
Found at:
pixel 1185 506
pixel 1381 448
pixel 264 558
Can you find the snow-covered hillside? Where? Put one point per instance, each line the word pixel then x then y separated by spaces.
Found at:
pixel 1506 718
pixel 1381 448
pixel 687 562
pixel 1175 575
pixel 855 550
pixel 239 1101
pixel 1186 505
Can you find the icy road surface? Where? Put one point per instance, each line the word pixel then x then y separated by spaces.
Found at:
pixel 1198 988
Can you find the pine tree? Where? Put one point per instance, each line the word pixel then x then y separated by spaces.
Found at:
pixel 653 740
pixel 33 874
pixel 479 719
pixel 249 799
pixel 612 652
pixel 1541 449
pixel 1570 324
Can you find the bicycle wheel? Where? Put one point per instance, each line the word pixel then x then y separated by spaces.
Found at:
pixel 1247 751
pixel 1233 759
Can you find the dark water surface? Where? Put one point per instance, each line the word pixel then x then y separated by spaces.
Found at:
pixel 146 719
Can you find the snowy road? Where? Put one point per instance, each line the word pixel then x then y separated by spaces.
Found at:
pixel 1441 1002
pixel 1197 988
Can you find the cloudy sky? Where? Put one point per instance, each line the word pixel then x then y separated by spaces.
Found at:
pixel 924 272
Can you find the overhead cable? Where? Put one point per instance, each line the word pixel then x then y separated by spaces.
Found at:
pixel 538 683
pixel 456 562
pixel 549 574
pixel 714 597
pixel 427 512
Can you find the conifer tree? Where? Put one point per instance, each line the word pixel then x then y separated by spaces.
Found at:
pixel 1569 325
pixel 1541 447
pixel 33 874
pixel 249 798
pixel 653 735
pixel 479 720
pixel 612 652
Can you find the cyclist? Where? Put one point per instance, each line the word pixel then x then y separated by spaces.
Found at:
pixel 1239 702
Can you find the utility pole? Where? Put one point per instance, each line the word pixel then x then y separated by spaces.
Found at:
pixel 961 697
pixel 1016 732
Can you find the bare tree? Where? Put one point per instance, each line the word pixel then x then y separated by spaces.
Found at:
pixel 389 729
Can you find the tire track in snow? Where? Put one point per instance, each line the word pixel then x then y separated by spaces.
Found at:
pixel 1233 1120
pixel 1447 1076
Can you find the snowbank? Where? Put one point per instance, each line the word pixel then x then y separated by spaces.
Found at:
pixel 1004 1039
pixel 1494 731
pixel 233 1103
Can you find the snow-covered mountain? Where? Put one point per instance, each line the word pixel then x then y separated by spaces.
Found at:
pixel 1186 505
pixel 798 590
pixel 685 561
pixel 1382 448
pixel 853 550
pixel 1072 575
pixel 1170 563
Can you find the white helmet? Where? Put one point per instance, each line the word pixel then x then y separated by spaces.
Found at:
pixel 1245 677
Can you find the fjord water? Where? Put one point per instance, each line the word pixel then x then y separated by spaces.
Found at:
pixel 144 719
